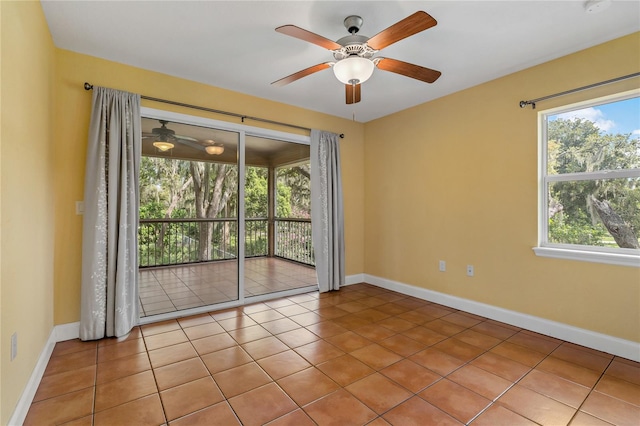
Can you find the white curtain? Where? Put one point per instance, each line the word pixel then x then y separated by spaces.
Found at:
pixel 109 302
pixel 327 216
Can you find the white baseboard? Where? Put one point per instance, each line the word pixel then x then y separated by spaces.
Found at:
pixel 591 339
pixel 59 333
pixel 67 331
pixel 354 279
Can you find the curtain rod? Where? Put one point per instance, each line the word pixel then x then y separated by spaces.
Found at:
pixel 532 102
pixel 88 86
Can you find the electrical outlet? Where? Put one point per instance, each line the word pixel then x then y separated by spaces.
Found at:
pixel 469 270
pixel 79 207
pixel 14 345
pixel 442 266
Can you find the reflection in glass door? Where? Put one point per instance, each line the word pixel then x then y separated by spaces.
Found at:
pixel 188 230
pixel 210 195
pixel 277 198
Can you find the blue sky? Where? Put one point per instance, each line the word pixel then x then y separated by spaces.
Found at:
pixel 616 117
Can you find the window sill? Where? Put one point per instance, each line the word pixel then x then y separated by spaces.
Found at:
pixel 589 256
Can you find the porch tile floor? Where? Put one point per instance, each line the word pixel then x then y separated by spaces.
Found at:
pixel 176 288
pixel 368 356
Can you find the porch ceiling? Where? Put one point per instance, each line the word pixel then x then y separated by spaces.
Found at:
pixel 192 140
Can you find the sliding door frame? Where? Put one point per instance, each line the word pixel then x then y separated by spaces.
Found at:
pixel 243 131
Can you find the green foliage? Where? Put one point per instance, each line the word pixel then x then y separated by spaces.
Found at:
pixel 576 146
pixel 161 180
pixel 297 179
pixel 283 201
pixel 255 192
pixel 255 247
pixel 256 195
pixel 576 229
pixel 151 209
pixel 167 190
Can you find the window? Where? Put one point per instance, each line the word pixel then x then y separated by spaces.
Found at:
pixel 590 180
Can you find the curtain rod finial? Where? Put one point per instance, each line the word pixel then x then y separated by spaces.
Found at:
pixel 88 86
pixel 341 135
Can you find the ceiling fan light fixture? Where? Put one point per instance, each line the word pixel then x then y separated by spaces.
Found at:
pixel 214 149
pixel 353 70
pixel 163 146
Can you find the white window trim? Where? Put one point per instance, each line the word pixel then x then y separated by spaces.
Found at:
pixel 612 256
pixel 588 256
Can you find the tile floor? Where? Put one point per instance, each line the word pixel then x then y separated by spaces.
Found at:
pixel 175 288
pixel 363 355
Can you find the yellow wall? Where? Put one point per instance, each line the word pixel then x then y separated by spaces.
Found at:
pixel 459 185
pixel 27 191
pixel 71 121
pixel 456 179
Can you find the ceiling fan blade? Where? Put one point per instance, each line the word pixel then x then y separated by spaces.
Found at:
pixel 147 135
pixel 186 138
pixel 409 70
pixel 409 26
pixel 302 34
pixel 298 75
pixel 352 92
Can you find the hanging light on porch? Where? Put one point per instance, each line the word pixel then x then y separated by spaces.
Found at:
pixel 162 142
pixel 214 149
pixel 163 146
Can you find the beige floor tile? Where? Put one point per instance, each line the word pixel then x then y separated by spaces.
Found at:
pixel 125 389
pixel 262 405
pixel 339 408
pixel 307 385
pixel 190 397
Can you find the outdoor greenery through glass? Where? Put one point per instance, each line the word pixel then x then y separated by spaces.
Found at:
pixel 188 212
pixel 293 227
pixel 585 207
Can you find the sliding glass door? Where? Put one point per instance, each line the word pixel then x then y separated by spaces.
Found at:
pixel 188 231
pixel 224 215
pixel 279 252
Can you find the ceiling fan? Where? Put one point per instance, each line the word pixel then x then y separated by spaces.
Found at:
pixel 354 53
pixel 164 139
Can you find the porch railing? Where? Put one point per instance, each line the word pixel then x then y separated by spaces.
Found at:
pixel 293 240
pixel 164 242
pixel 256 237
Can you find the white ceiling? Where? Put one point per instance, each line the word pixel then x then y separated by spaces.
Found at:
pixel 233 45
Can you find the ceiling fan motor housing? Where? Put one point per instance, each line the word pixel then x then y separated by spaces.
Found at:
pixel 353 23
pixel 163 133
pixel 353 45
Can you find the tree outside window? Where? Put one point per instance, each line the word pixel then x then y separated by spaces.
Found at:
pixel 591 175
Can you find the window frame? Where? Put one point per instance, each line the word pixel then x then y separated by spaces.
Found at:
pixel 608 255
